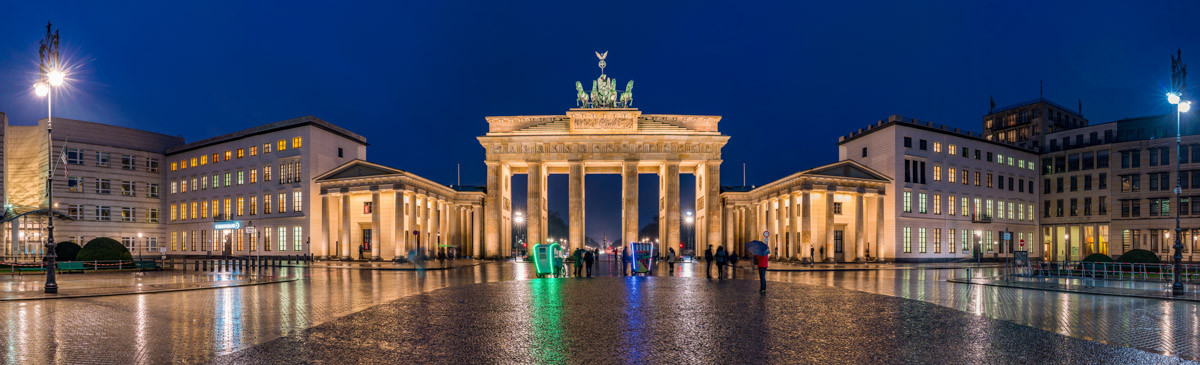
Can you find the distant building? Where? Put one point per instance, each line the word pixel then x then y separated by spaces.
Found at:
pixel 261 177
pixel 953 194
pixel 1025 124
pixel 108 184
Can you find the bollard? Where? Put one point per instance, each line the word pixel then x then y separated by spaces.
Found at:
pixel 969 275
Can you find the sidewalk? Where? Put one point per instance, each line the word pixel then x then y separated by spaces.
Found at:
pixel 1138 289
pixel 95 284
pixel 392 266
pixel 789 266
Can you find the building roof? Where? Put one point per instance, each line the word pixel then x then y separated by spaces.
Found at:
pixel 1031 102
pixel 307 120
pixel 898 120
pixel 844 169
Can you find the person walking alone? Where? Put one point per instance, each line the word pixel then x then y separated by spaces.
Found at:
pixel 733 260
pixel 720 257
pixel 761 262
pixel 624 261
pixel 671 260
pixel 589 259
pixel 708 257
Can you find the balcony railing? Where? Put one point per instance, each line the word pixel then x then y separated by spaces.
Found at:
pixel 981 218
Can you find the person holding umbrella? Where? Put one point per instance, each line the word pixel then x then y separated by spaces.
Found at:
pixel 760 252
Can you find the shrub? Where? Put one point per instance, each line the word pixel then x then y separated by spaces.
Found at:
pixel 103 248
pixel 66 250
pixel 1097 257
pixel 1139 257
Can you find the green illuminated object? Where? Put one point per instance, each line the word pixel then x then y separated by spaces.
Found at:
pixel 544 257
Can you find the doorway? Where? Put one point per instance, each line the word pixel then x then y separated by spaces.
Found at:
pixel 364 249
pixel 227 239
pixel 838 241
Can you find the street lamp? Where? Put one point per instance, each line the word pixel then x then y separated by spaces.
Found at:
pixel 139 247
pixel 52 75
pixel 519 219
pixel 689 220
pixel 1181 106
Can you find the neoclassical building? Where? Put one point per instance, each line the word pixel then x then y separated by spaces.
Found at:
pixel 371 211
pixel 831 213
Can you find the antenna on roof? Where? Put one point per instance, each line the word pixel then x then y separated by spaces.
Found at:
pixel 743 174
pixel 459 175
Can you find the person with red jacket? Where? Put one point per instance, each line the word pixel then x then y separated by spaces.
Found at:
pixel 762 273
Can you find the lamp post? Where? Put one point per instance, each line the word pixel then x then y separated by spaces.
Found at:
pixel 1181 106
pixel 50 76
pixel 139 246
pixel 519 219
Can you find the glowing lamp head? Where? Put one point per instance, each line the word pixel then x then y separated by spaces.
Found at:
pixel 1184 106
pixel 56 77
pixel 41 89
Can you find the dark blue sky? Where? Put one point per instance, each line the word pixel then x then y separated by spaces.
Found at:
pixel 417 77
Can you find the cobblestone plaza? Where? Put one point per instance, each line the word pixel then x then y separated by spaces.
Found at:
pixel 361 314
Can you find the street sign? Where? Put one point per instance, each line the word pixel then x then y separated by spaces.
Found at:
pixel 1022 243
pixel 1007 236
pixel 765 234
pixel 417 232
pixel 227 225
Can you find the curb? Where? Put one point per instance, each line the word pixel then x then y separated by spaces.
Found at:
pixel 881 268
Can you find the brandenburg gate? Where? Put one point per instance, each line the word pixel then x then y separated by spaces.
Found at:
pixel 602 135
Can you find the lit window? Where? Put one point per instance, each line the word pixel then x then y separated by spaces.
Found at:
pixel 282 203
pixel 253 150
pixel 922 204
pixel 266 148
pixel 228 155
pixel 216 158
pixel 241 152
pixel 907 240
pixel 295 142
pixel 253 176
pixel 174 166
pixel 296 202
pixel 280 145
pixel 203 160
pixel 908 202
pixel 937 171
pixel 282 238
pixel 297 234
pixel 937 147
pixel 193 162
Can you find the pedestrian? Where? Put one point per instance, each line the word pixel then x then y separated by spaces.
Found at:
pixel 708 257
pixel 577 257
pixel 671 260
pixel 822 254
pixel 762 273
pixel 733 260
pixel 720 257
pixel 588 259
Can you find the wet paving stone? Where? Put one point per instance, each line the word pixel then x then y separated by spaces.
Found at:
pixel 671 320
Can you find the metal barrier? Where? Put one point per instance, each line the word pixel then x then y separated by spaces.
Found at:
pixel 1109 270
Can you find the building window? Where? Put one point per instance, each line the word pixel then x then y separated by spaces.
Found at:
pixel 937 204
pixel 228 155
pixel 254 205
pixel 280 145
pixel 297 234
pixel 183 186
pixel 240 175
pixel 266 149
pixel 74 156
pixel 267 204
pixel 267 173
pixel 204 209
pixel 75 211
pixel 174 165
pixel 216 181
pixel 241 206
pixel 102 159
pixel 128 214
pixel 937 172
pixel 950 244
pixel 253 176
pixel 228 178
pixel 966 239
pixel 193 162
pixel 864 152
pixel 75 184
pixel 965 209
pixel 151 190
pixel 907 240
pixel 282 203
pixel 151 165
pixel 952 177
pixel 950 206
pixel 937 147
pixel 921 240
pixel 295 142
pixel 976 178
pixel 103 186
pixel 103 213
pixel 921 207
pixel 152 215
pixel 297 206
pixel 907 142
pixel 937 240
pixel 367 207
pixel 127 188
pixel 282 238
pixel 923 145
pixel 908 202
pixel 254 150
pixel 128 162
pixel 241 152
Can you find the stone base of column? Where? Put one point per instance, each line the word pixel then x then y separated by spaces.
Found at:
pixel 344 258
pixel 860 260
pixel 376 258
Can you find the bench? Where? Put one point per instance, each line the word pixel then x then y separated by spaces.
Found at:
pixel 30 269
pixel 70 266
pixel 146 265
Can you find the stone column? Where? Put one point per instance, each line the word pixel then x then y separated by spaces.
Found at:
pixel 728 214
pixel 806 225
pixel 880 227
pixel 477 226
pixel 859 222
pixel 345 243
pixel 673 217
pixel 773 225
pixel 435 225
pixel 829 225
pixel 398 219
pixel 629 203
pixel 328 244
pixel 535 221
pixel 376 225
pixel 794 248
pixel 576 211
pixel 493 205
pixel 714 216
pixel 410 221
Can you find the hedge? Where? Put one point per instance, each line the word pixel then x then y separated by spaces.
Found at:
pixel 66 251
pixel 1138 256
pixel 103 249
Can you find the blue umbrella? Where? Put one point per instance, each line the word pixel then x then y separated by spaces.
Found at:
pixel 758 248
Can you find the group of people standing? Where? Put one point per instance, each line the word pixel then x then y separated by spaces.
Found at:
pixel 582 259
pixel 722 258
